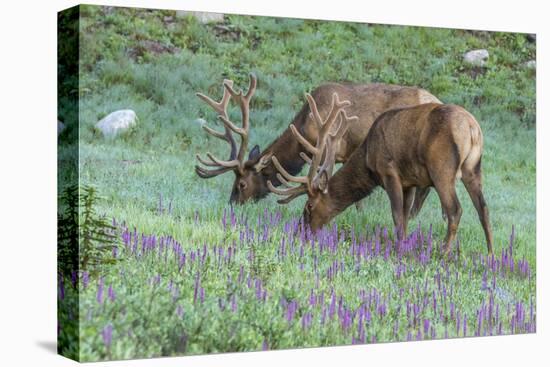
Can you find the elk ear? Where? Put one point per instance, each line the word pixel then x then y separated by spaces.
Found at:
pixel 323 182
pixel 263 162
pixel 254 153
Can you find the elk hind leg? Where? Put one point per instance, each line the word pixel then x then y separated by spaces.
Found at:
pixel 471 178
pixel 451 206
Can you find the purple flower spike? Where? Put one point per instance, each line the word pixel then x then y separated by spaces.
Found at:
pixel 196 288
pixel 202 295
pixel 74 278
pixel 332 308
pixel 61 289
pixel 99 295
pixel 111 293
pixel 85 279
pixel 426 326
pixel 107 334
pixel 233 304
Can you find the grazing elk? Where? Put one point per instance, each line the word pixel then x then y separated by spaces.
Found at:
pixel 429 145
pixel 367 101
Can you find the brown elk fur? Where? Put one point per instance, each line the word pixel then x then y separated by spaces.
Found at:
pixel 367 102
pixel 429 145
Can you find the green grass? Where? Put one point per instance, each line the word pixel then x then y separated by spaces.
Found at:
pixel 290 57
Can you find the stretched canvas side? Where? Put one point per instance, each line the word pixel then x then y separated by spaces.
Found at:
pixel 68 324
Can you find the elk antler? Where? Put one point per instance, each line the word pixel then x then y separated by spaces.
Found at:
pixel 236 160
pixel 327 142
pixel 333 140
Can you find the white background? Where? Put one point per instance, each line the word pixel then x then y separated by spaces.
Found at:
pixel 28 181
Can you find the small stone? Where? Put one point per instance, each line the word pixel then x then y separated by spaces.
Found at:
pixel 476 57
pixel 202 17
pixel 60 127
pixel 117 122
pixel 531 64
pixel 531 37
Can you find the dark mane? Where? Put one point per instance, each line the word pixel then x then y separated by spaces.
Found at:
pixel 352 182
pixel 287 148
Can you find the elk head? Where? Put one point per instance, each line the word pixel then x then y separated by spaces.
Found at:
pixel 318 209
pixel 247 172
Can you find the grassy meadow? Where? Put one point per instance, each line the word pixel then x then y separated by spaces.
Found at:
pixel 193 275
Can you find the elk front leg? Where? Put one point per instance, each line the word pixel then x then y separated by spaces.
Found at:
pixel 408 199
pixel 394 190
pixel 419 197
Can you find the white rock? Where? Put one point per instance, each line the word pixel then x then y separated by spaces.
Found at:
pixel 116 122
pixel 202 17
pixel 531 64
pixel 476 57
pixel 60 127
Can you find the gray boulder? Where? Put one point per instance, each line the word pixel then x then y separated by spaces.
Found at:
pixel 60 127
pixel 117 122
pixel 476 57
pixel 202 17
pixel 531 64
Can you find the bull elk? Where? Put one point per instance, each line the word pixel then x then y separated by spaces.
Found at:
pixel 367 101
pixel 429 145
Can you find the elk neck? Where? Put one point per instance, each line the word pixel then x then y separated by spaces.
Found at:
pixel 287 149
pixel 352 182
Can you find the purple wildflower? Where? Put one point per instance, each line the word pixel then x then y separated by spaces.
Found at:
pixel 74 278
pixel 426 326
pixel 196 288
pixel 61 288
pixel 107 334
pixel 111 293
pixel 233 303
pixel 99 295
pixel 201 295
pixel 85 279
pixel 179 311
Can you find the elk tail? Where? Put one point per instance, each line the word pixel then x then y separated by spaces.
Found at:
pixel 476 135
pixel 476 150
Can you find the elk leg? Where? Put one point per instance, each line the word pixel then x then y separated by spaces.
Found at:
pixel 419 197
pixel 408 199
pixel 451 206
pixel 395 193
pixel 472 182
